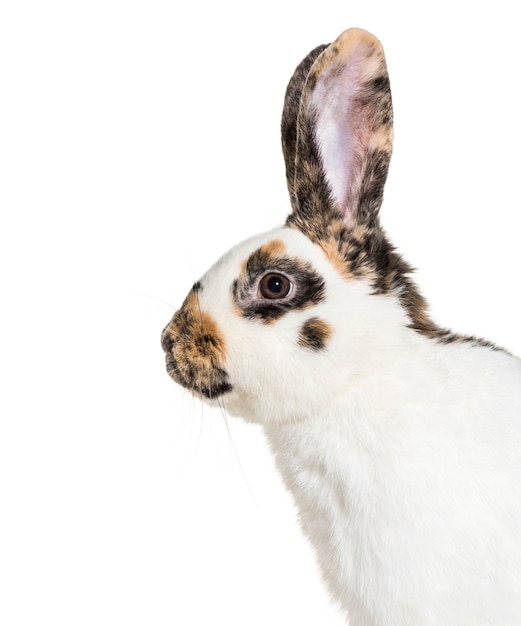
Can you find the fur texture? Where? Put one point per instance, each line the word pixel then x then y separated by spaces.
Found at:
pixel 400 441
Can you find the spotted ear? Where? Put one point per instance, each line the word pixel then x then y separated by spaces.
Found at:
pixel 343 134
pixel 290 111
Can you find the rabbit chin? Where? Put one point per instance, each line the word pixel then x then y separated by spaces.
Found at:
pixel 264 409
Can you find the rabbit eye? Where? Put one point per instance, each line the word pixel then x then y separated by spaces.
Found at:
pixel 274 286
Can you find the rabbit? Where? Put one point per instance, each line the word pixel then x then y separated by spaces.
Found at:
pixel 399 441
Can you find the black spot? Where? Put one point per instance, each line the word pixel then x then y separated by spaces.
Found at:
pixel 379 84
pixel 216 390
pixel 197 287
pixel 314 334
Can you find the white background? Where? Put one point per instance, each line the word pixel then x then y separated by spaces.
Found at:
pixel 139 140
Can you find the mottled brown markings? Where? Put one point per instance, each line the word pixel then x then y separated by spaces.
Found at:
pixel 450 337
pixel 356 247
pixel 314 334
pixel 371 106
pixel 290 112
pixel 367 253
pixel 195 349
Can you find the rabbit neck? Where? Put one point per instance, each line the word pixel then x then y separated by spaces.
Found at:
pixel 375 494
pixel 328 464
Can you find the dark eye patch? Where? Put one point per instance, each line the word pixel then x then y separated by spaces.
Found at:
pixel 308 286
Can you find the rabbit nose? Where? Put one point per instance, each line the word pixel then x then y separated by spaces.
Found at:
pixel 167 341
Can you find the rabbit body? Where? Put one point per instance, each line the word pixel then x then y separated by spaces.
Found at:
pixel 400 441
pixel 409 492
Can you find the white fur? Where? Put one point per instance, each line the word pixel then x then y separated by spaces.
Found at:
pixel 403 454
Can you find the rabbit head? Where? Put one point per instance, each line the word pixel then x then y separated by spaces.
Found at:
pixel 287 319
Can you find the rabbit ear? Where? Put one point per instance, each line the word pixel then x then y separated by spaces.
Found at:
pixel 343 135
pixel 290 111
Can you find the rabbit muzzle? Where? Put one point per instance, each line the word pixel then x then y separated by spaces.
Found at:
pixel 195 351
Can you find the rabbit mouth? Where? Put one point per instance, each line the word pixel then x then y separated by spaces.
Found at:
pixel 195 350
pixel 209 385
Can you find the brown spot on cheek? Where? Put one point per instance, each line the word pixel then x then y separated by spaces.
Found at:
pixel 314 334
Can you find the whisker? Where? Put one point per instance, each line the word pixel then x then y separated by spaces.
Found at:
pixel 146 295
pixel 234 450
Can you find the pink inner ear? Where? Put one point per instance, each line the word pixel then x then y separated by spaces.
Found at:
pixel 342 130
